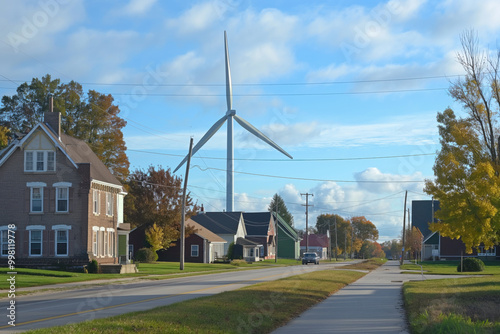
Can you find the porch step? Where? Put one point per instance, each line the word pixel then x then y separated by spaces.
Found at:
pixel 118 268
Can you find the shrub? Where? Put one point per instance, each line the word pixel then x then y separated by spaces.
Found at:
pixel 471 264
pixel 230 251
pixel 93 267
pixel 239 263
pixel 146 255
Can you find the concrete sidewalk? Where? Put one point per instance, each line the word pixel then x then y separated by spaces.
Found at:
pixel 372 304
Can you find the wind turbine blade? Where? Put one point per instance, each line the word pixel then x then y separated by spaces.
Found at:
pixel 204 139
pixel 229 86
pixel 250 128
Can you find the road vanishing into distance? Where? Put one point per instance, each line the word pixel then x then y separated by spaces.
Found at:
pixel 99 301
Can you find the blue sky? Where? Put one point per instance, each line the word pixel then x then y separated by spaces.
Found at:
pixel 337 84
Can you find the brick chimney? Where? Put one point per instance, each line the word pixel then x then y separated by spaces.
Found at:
pixel 53 119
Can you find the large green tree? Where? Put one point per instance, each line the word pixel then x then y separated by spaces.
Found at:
pixel 91 116
pixel 155 197
pixel 278 204
pixel 467 167
pixel 342 234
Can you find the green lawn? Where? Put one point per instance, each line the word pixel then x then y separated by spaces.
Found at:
pixel 258 308
pixel 450 268
pixel 454 305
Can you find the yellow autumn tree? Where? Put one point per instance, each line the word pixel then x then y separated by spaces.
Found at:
pixel 155 237
pixel 467 168
pixel 4 139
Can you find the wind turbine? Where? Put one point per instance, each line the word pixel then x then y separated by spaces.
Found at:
pixel 230 115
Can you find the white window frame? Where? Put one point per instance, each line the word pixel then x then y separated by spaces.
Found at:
pixel 111 242
pixel 36 185
pixel 195 249
pixel 106 243
pixel 101 242
pixel 57 242
pixel 42 157
pixel 31 229
pixel 61 199
pixel 4 244
pixel 95 241
pixel 109 204
pixel 96 201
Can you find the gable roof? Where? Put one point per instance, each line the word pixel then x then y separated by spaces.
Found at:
pixel 257 223
pixel 316 240
pixel 76 150
pixel 204 232
pixel 290 231
pixel 219 222
pixel 80 152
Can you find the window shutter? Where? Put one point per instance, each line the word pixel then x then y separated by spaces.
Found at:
pixel 52 199
pixel 46 199
pixel 26 245
pixel 45 243
pixel 70 199
pixel 27 199
pixel 51 242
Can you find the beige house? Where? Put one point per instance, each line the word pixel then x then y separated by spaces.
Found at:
pixel 67 207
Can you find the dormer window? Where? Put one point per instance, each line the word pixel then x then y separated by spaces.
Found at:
pixel 39 161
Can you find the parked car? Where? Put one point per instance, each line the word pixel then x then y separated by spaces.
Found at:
pixel 310 258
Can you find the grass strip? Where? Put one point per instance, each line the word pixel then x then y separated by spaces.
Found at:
pixel 459 305
pixel 450 268
pixel 259 308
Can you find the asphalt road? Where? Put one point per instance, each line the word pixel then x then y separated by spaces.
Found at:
pixel 65 307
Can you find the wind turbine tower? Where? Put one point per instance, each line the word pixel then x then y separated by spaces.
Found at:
pixel 229 116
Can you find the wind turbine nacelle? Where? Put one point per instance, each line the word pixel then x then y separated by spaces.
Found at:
pixel 231 113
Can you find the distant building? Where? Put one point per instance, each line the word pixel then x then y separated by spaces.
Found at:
pixel 318 243
pixel 436 246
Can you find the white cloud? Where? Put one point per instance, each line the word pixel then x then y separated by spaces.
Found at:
pixel 138 7
pixel 373 180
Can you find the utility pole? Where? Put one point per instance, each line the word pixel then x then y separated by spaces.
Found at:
pixel 345 243
pixel 336 243
pixel 276 232
pixel 307 205
pixel 183 214
pixel 404 228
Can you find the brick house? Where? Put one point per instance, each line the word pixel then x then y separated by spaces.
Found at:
pixel 66 205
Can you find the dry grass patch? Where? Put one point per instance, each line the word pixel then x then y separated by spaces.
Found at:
pixel 462 305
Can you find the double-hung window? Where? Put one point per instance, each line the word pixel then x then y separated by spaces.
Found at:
pixel 39 161
pixel 36 196
pixel 62 196
pixel 61 239
pixel 61 242
pixel 95 201
pixel 4 242
pixel 35 239
pixel 194 251
pixel 109 204
pixel 61 199
pixel 95 242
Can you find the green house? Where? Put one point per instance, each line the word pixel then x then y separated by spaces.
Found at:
pixel 288 240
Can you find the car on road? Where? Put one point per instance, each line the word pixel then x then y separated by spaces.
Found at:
pixel 310 258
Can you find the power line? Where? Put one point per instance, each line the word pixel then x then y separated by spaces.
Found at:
pixel 283 94
pixel 294 160
pixel 311 179
pixel 324 83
